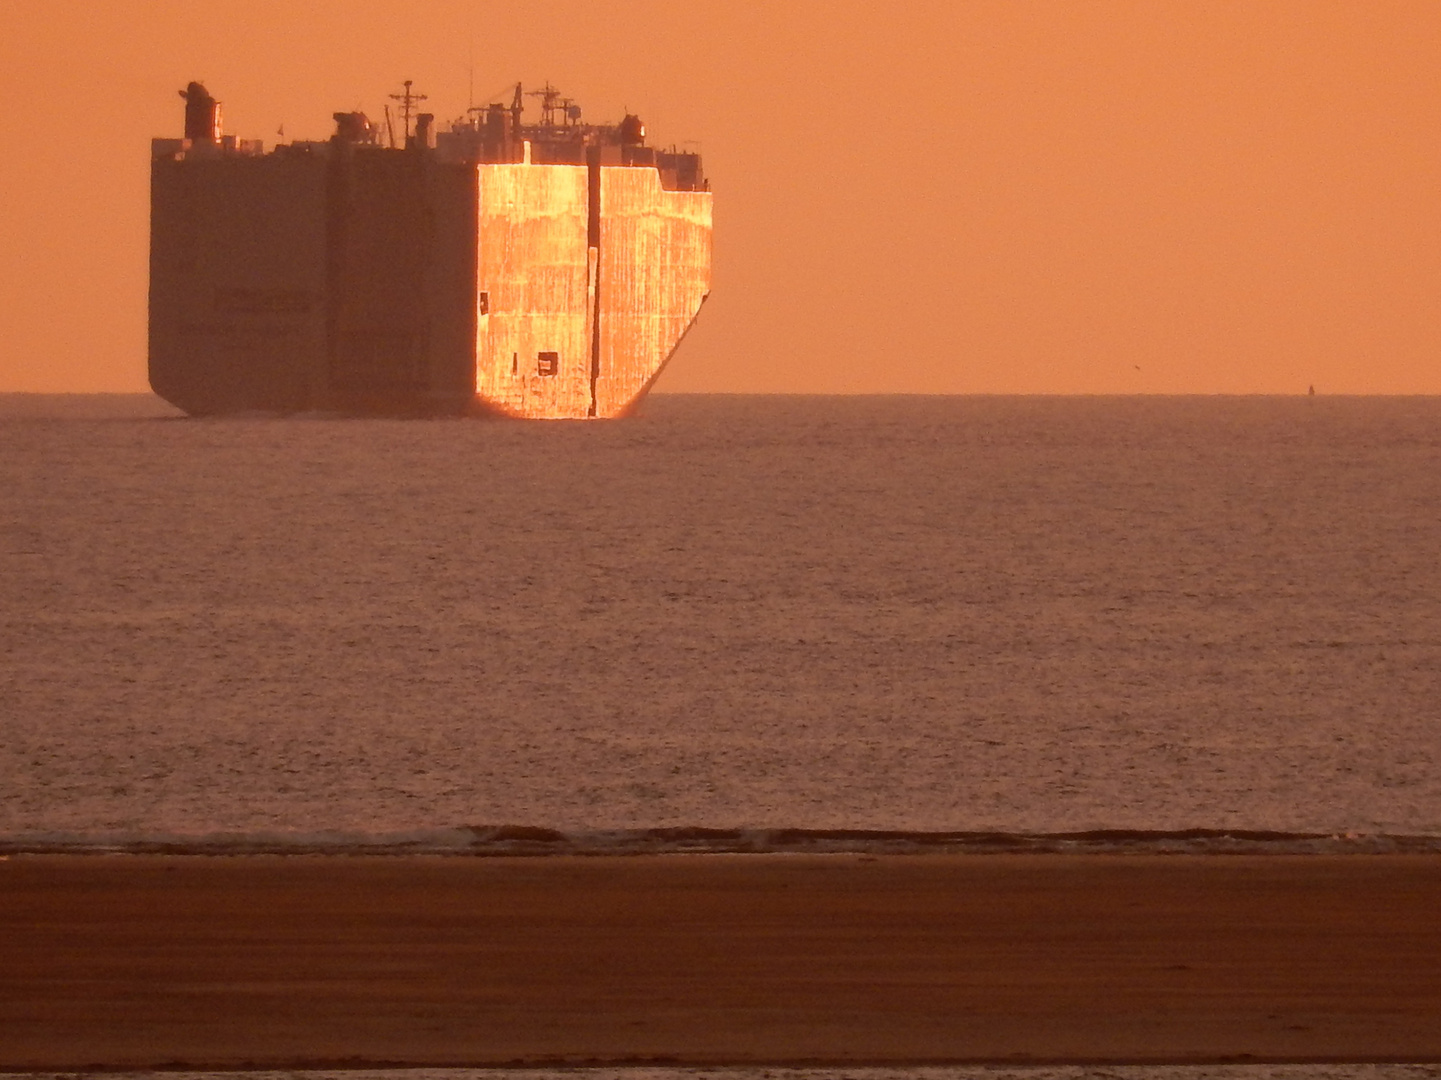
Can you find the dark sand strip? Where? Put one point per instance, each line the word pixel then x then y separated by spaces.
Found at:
pixel 141 961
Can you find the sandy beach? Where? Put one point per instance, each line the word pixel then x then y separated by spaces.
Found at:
pixel 230 961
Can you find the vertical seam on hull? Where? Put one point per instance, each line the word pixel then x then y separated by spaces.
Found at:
pixel 593 243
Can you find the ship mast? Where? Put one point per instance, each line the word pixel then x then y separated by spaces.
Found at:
pixel 407 103
pixel 550 103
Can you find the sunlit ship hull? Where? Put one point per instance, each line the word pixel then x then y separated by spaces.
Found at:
pixel 613 312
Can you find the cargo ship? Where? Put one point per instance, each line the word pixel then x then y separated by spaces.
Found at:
pixel 544 269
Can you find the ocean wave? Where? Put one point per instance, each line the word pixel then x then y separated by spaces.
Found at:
pixel 538 841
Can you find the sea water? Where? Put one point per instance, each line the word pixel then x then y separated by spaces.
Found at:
pixel 769 617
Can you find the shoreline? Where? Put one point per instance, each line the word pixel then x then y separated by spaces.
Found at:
pixel 806 960
pixel 487 841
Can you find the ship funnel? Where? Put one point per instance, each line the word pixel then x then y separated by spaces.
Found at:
pixel 353 127
pixel 202 115
pixel 425 131
pixel 632 131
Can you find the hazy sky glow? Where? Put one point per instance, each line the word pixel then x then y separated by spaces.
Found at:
pixel 1007 197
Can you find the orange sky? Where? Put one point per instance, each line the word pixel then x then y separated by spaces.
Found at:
pixel 996 197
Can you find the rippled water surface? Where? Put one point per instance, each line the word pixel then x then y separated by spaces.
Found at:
pixel 1042 614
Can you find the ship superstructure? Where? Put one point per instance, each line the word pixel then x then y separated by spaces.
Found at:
pixel 543 270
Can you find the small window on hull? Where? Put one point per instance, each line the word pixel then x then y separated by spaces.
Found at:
pixel 482 303
pixel 547 363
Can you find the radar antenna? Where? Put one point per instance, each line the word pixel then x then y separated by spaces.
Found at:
pixel 408 101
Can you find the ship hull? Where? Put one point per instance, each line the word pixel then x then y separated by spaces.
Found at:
pixel 390 283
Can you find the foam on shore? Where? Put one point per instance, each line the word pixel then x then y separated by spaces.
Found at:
pixel 524 840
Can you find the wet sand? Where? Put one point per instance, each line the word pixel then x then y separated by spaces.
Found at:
pixel 226 961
